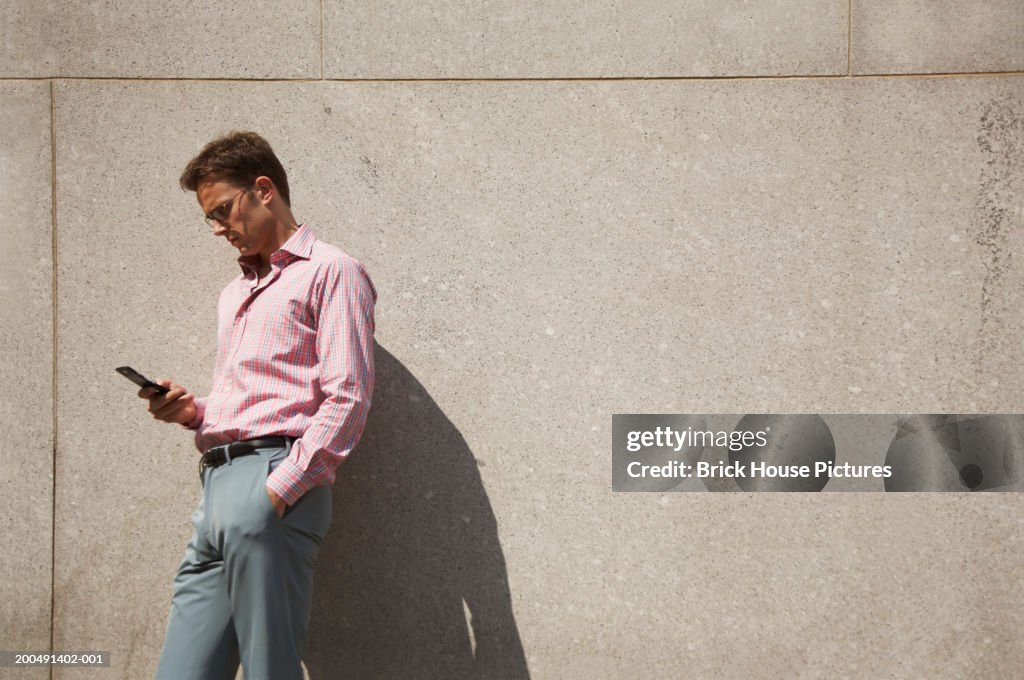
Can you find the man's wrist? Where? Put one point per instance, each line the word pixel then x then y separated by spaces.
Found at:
pixel 197 419
pixel 279 503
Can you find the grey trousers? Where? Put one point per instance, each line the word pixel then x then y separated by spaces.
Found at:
pixel 244 589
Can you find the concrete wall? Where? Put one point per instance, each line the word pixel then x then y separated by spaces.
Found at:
pixel 569 213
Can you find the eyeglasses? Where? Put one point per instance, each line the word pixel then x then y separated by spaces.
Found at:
pixel 222 212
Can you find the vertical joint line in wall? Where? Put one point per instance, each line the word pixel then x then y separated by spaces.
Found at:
pixel 321 39
pixel 53 377
pixel 849 39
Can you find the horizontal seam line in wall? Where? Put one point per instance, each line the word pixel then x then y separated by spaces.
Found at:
pixel 840 76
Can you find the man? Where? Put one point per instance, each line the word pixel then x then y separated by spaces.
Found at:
pixel 291 390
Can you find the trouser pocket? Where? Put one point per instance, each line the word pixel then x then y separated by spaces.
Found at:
pixel 310 514
pixel 275 459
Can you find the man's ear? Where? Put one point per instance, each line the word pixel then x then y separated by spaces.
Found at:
pixel 265 187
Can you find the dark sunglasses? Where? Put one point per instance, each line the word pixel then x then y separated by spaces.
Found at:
pixel 222 212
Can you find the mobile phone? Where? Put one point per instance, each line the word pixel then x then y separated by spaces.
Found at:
pixel 139 379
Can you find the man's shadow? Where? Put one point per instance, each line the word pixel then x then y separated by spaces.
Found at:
pixel 411 579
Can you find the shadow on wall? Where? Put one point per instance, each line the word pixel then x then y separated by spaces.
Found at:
pixel 411 579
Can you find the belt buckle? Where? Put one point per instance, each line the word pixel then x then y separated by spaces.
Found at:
pixel 204 463
pixel 204 460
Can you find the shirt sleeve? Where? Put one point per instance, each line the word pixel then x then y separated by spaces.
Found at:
pixel 344 348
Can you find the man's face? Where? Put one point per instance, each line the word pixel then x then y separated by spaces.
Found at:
pixel 247 224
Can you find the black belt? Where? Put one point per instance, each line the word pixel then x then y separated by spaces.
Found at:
pixel 218 455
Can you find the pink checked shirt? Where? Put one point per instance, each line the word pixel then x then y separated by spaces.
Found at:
pixel 294 357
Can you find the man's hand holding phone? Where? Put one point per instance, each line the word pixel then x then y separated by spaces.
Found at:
pixel 168 401
pixel 177 405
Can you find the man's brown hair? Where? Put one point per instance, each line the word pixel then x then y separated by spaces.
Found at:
pixel 238 157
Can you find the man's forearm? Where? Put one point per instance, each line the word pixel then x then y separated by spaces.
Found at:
pixel 315 457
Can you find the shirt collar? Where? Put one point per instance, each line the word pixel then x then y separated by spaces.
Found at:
pixel 299 244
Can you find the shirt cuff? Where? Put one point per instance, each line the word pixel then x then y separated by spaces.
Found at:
pixel 289 481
